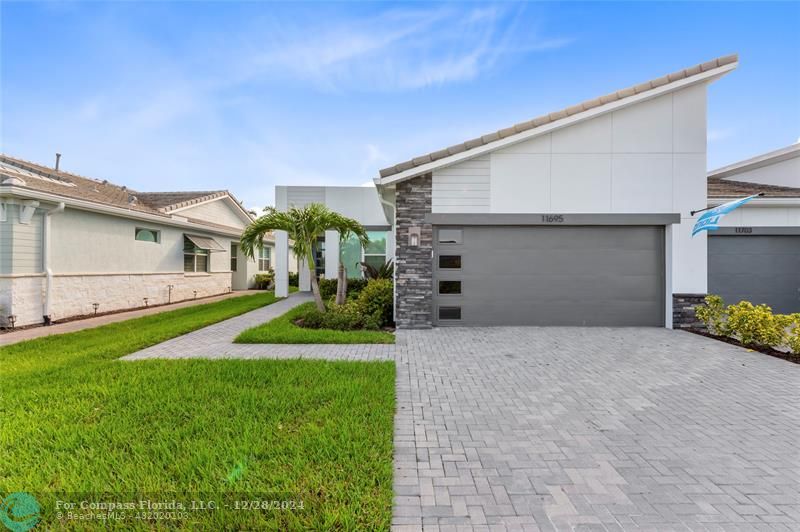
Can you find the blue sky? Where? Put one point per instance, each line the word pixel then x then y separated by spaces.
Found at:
pixel 245 96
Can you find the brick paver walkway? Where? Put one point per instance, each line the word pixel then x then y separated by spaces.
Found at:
pixel 215 341
pixel 593 429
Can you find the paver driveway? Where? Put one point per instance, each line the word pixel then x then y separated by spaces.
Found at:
pixel 593 429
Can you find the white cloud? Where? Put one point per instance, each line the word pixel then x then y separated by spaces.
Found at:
pixel 395 50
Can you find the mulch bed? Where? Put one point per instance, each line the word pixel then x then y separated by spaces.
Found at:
pixel 766 350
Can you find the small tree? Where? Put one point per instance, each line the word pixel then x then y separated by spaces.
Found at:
pixel 303 225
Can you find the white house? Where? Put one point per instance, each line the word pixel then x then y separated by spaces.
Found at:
pixel 578 217
pixel 360 203
pixel 755 256
pixel 69 243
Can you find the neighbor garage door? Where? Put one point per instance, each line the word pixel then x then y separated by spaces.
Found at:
pixel 544 275
pixel 756 268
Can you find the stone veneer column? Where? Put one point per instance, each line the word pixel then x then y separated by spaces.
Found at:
pixel 683 314
pixel 414 265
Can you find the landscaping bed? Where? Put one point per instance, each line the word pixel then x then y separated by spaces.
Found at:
pixel 750 326
pixel 80 425
pixel 285 330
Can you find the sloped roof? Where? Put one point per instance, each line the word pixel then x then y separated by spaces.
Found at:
pixel 559 115
pixel 759 161
pixel 725 188
pixel 45 179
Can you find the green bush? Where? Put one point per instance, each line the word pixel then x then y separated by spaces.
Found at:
pixel 264 280
pixel 756 324
pixel 327 287
pixel 294 279
pixel 376 301
pixel 713 314
pixel 753 325
pixel 338 317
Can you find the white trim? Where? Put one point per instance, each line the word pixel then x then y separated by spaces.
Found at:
pixel 563 122
pixel 759 161
pixel 115 211
pixel 757 202
pixel 244 215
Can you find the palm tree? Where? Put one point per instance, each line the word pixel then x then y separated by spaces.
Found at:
pixel 303 226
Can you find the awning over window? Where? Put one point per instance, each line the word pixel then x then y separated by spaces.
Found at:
pixel 204 242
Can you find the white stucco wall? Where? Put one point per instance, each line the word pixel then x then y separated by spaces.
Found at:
pixel 218 211
pixel 761 216
pixel 646 158
pixel 783 173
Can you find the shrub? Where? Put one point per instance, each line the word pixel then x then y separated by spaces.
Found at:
pixel 294 279
pixel 756 324
pixel 338 317
pixel 713 314
pixel 264 280
pixel 327 287
pixel 376 300
pixel 793 333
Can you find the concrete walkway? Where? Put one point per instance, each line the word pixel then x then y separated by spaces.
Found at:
pixel 216 341
pixel 8 338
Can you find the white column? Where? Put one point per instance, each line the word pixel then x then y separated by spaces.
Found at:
pixel 305 277
pixel 331 254
pixel 281 264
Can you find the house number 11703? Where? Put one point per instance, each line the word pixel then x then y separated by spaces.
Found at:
pixel 552 218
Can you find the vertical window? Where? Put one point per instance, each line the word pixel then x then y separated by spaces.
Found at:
pixel 264 256
pixel 375 252
pixel 319 256
pixel 234 257
pixel 194 258
pixel 350 255
pixel 147 235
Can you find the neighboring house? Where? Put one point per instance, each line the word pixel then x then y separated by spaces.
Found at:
pixel 578 217
pixel 359 203
pixel 755 256
pixel 69 242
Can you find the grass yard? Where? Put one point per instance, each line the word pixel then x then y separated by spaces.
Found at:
pixel 282 330
pixel 77 421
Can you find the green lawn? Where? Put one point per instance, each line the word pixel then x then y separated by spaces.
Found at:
pixel 282 330
pixel 77 421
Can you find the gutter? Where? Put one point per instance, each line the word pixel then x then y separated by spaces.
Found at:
pixel 46 260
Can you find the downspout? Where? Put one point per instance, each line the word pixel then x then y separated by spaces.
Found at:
pixel 46 260
pixel 394 254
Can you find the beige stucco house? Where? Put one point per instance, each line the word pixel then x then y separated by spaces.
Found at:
pixel 69 244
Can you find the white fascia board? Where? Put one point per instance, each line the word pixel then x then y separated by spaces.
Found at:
pixel 759 161
pixel 707 76
pixel 243 214
pixel 757 202
pixel 113 211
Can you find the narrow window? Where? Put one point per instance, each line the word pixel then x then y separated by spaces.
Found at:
pixel 449 287
pixel 451 236
pixel 450 262
pixel 147 235
pixel 264 259
pixel 449 313
pixel 234 257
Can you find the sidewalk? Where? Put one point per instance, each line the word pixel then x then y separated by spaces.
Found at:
pixel 89 323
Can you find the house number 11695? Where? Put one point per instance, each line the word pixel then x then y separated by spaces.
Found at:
pixel 552 218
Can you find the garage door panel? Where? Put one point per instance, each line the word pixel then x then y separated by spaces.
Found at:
pixel 591 275
pixel 569 262
pixel 756 268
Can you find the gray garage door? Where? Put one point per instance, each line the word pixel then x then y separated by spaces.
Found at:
pixel 544 275
pixel 756 268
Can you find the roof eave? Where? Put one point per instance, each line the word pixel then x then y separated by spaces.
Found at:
pixel 759 161
pixel 706 76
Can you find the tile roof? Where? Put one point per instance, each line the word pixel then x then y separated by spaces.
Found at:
pixel 557 115
pixel 725 188
pixel 45 179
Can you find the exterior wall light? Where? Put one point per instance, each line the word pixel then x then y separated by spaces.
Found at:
pixel 414 236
